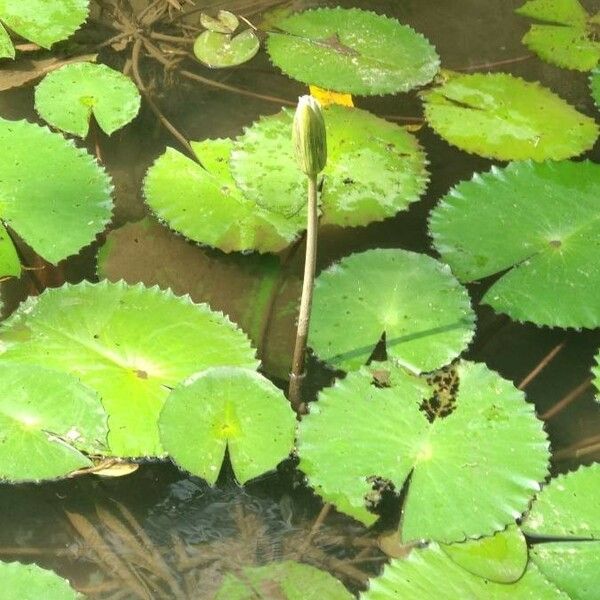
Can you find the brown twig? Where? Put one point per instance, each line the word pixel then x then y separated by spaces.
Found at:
pixel 541 365
pixel 567 399
pixel 582 448
pixel 497 63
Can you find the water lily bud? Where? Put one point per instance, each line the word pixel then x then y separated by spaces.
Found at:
pixel 310 138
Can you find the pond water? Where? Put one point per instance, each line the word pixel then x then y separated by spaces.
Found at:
pixel 158 533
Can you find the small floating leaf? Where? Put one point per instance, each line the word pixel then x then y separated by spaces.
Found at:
pixel 487 455
pixel 286 580
pixel 497 115
pixel 227 408
pixel 30 582
pixel 429 571
pixel 413 299
pixel 69 96
pixel 539 221
pixel 566 36
pixel 205 205
pixel 352 50
pixel 129 343
pixel 10 265
pixel 41 21
pixel 54 195
pixel 46 419
pixel 374 168
pixel 226 22
pixel 501 557
pixel 251 290
pixel 219 50
pixel 569 508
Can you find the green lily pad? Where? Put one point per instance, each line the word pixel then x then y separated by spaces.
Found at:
pixel 497 115
pixel 428 572
pixel 205 205
pixel 219 50
pixel 501 557
pixel 68 97
pixel 352 50
pixel 413 299
pixel 595 86
pixel 488 454
pixel 251 290
pixel 568 508
pixel 227 408
pixel 374 168
pixel 47 419
pixel 129 343
pixel 539 222
pixel 40 21
pixel 30 582
pixel 287 580
pixel 9 260
pixel 566 36
pixel 54 195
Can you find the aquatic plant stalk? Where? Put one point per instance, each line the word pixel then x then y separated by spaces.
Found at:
pixel 310 141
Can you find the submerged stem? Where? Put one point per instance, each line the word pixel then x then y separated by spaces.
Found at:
pixel 310 261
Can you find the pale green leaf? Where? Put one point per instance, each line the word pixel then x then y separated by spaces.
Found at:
pixel 54 195
pixel 538 222
pixel 595 86
pixel 568 508
pixel 7 50
pixel 219 50
pixel 68 97
pixel 30 582
pixel 129 343
pixel 497 115
pixel 44 21
pixel 204 204
pixel 9 260
pixel 488 455
pixel 501 557
pixel 225 22
pixel 46 419
pixel 413 299
pixel 374 168
pixel 428 574
pixel 286 580
pixel 352 50
pixel 227 408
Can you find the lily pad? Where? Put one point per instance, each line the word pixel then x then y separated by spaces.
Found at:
pixel 497 115
pixel 566 36
pixel 352 50
pixel 568 508
pixel 595 86
pixel 129 343
pixel 471 472
pixel 286 580
pixel 9 260
pixel 251 290
pixel 40 21
pixel 413 299
pixel 538 222
pixel 47 419
pixel 68 97
pixel 205 205
pixel 219 50
pixel 427 571
pixel 227 408
pixel 374 168
pixel 30 582
pixel 54 195
pixel 501 557
pixel 225 22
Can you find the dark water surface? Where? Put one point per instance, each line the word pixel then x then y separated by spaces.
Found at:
pixel 160 534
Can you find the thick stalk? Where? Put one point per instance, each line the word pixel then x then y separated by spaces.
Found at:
pixel 310 261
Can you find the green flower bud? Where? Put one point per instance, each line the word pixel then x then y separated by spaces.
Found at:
pixel 309 136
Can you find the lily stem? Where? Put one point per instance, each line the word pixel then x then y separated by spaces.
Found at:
pixel 298 372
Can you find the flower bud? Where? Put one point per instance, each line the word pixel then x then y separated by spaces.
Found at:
pixel 309 136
